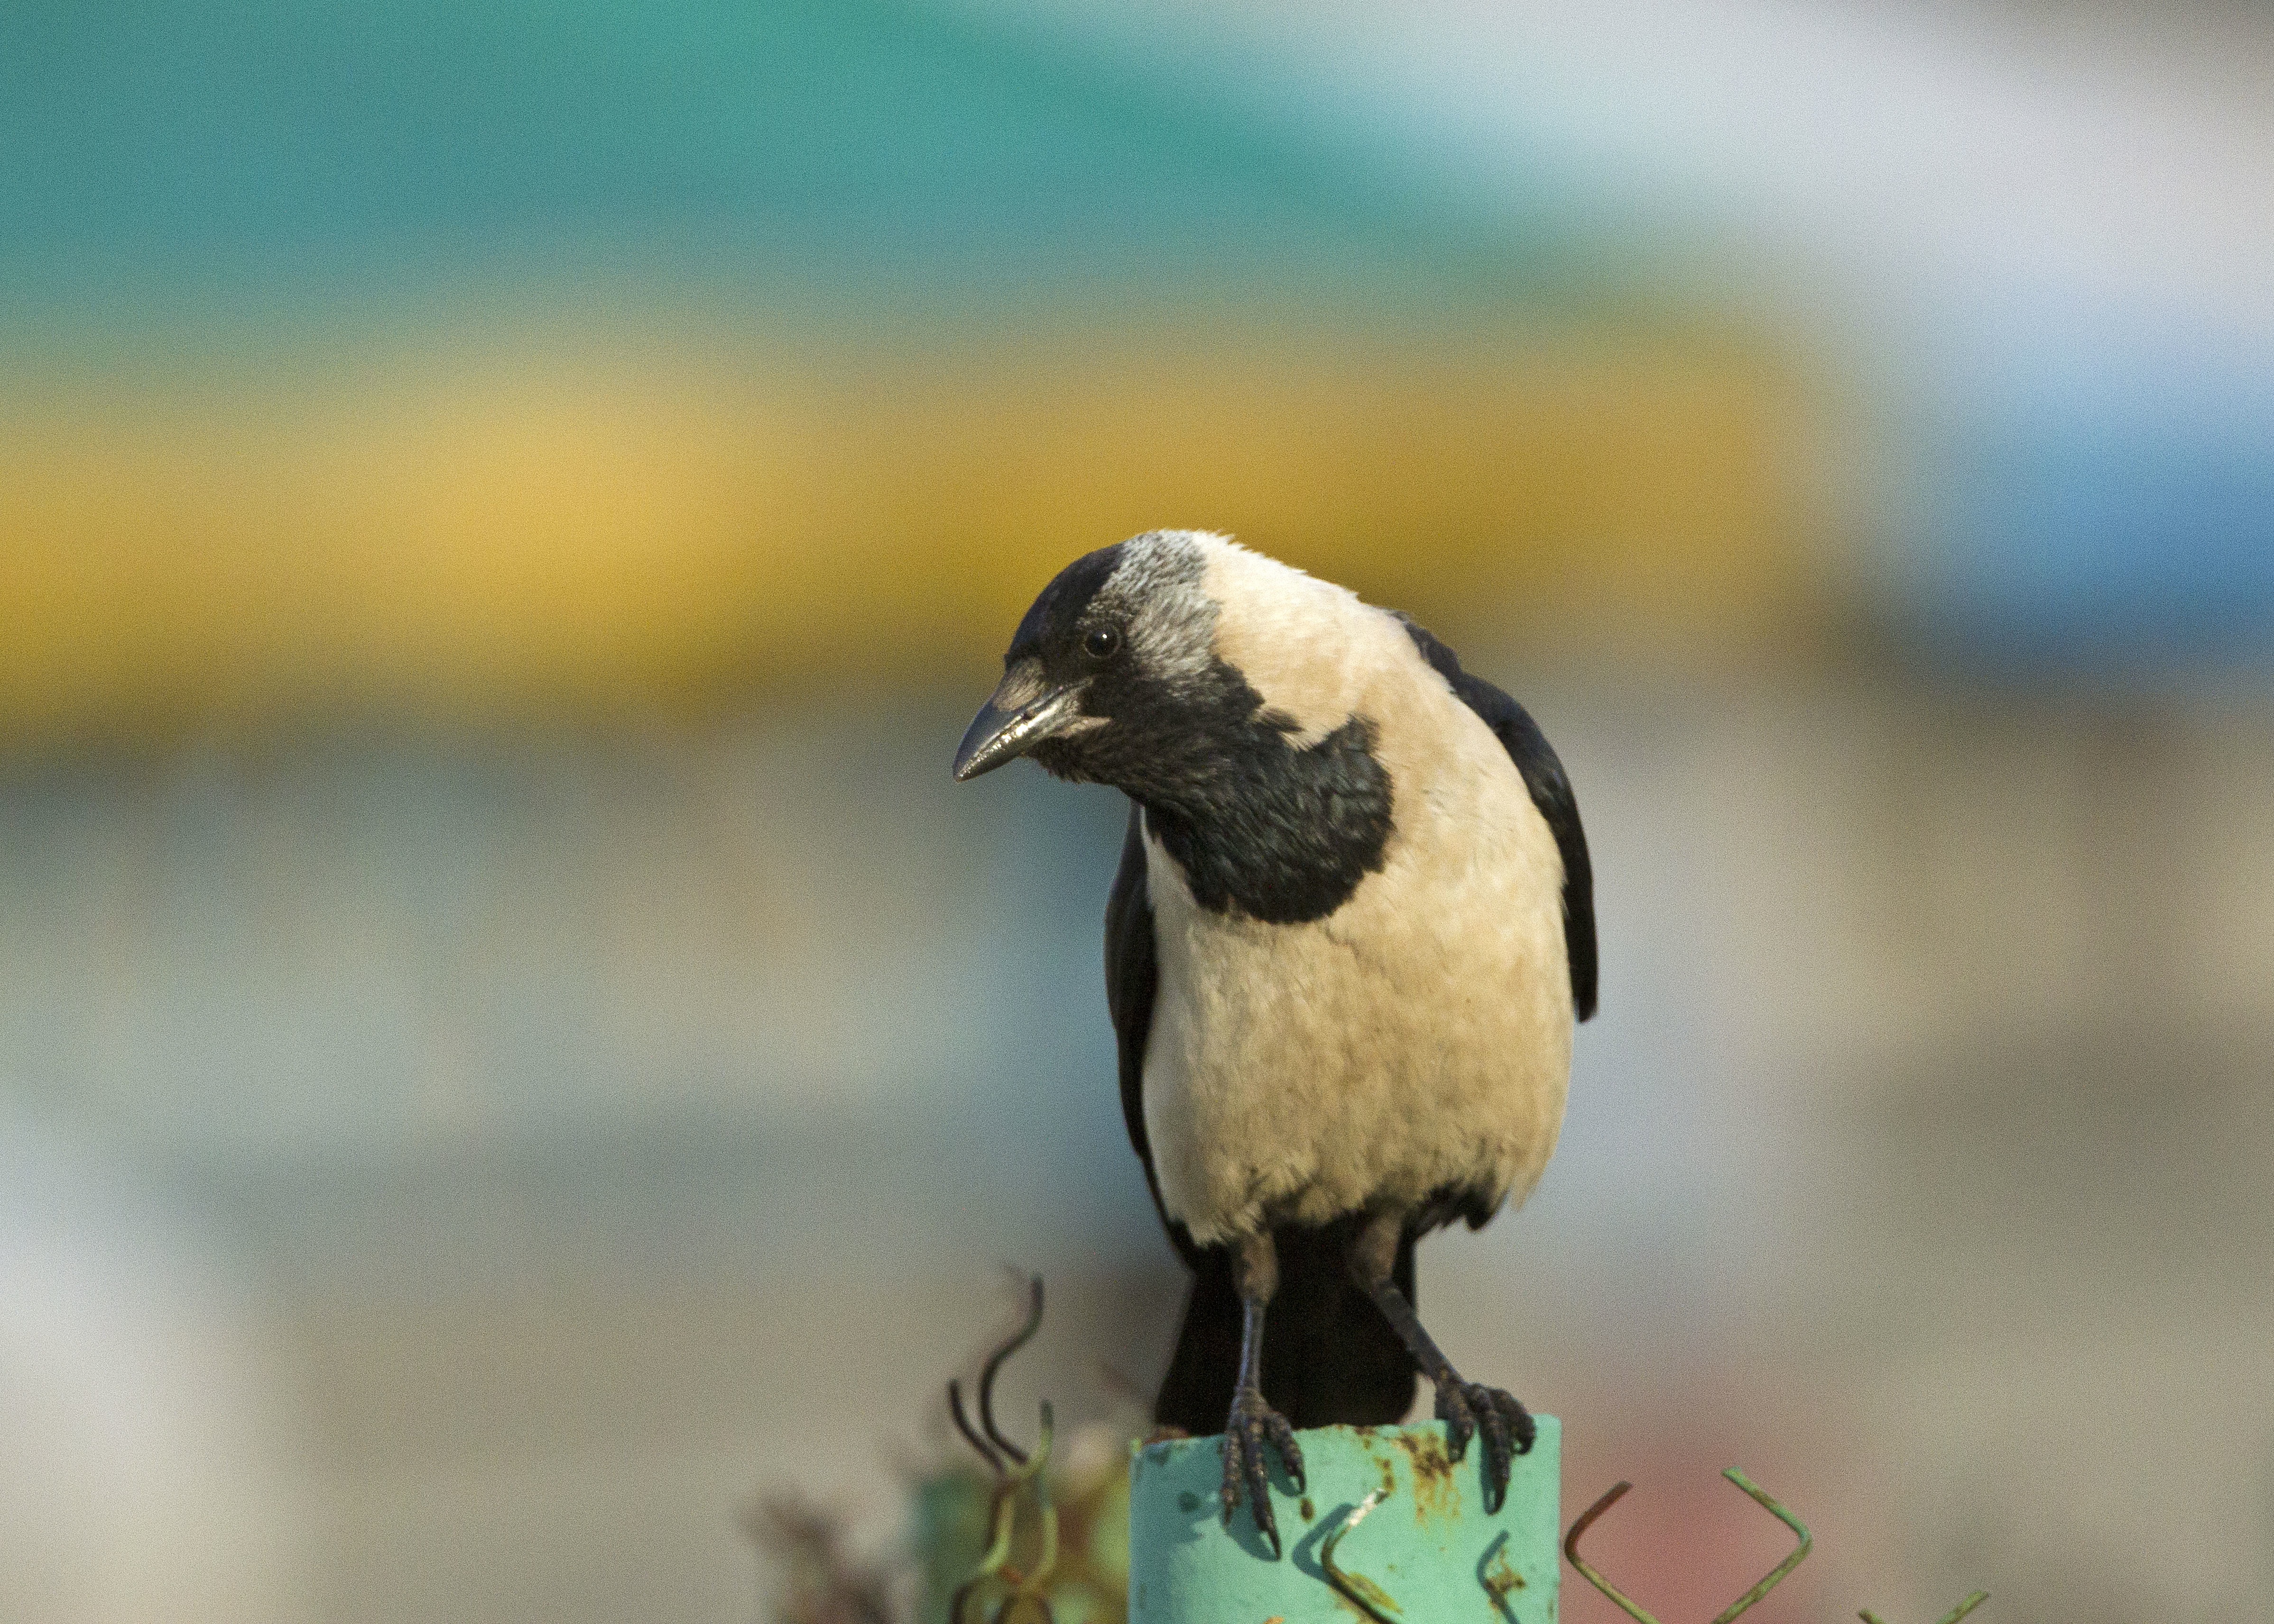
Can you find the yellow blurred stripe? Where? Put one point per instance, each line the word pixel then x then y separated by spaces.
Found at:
pixel 531 532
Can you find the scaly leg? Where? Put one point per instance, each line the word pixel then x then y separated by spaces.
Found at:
pixel 1465 1407
pixel 1253 1424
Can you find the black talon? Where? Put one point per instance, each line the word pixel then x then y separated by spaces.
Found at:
pixel 1460 1421
pixel 1467 1407
pixel 1520 1420
pixel 1291 1453
pixel 1494 1423
pixel 1252 1429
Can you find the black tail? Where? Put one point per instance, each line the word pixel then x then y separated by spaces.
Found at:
pixel 1328 1355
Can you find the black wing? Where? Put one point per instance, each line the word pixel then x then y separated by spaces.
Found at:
pixel 1551 791
pixel 1133 974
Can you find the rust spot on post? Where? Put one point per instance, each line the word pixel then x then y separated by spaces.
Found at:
pixel 1434 1490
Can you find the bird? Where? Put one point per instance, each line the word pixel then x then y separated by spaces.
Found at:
pixel 1347 942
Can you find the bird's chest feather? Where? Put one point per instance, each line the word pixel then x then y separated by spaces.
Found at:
pixel 1416 1039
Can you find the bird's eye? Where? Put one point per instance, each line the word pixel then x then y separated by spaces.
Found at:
pixel 1100 643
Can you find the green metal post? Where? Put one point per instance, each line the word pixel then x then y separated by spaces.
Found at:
pixel 1391 1531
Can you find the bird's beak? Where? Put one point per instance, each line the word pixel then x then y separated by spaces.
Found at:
pixel 1005 727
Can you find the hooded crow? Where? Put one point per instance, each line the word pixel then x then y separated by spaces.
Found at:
pixel 1353 927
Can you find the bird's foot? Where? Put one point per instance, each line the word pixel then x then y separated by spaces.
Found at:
pixel 1253 1426
pixel 1467 1407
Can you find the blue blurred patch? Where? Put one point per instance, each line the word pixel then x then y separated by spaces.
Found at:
pixel 2113 514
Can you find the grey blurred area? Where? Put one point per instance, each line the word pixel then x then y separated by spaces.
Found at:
pixel 583 1133
pixel 590 1132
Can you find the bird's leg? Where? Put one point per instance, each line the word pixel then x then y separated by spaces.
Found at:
pixel 1465 1407
pixel 1253 1425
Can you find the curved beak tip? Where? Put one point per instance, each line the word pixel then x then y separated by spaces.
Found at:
pixel 996 735
pixel 982 750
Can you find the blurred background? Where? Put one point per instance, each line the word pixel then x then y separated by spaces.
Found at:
pixel 510 1043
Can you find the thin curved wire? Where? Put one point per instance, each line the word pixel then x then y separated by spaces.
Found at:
pixel 1002 1516
pixel 971 1434
pixel 1030 1587
pixel 992 1447
pixel 995 1361
pixel 1014 1472
pixel 1361 1592
pixel 1777 1574
pixel 1775 1577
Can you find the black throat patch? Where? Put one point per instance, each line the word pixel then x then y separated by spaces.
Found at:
pixel 1281 834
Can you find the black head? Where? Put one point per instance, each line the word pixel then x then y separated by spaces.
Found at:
pixel 1116 676
pixel 1110 674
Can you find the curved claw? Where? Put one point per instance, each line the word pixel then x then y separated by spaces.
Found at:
pixel 1252 1428
pixel 1467 1407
